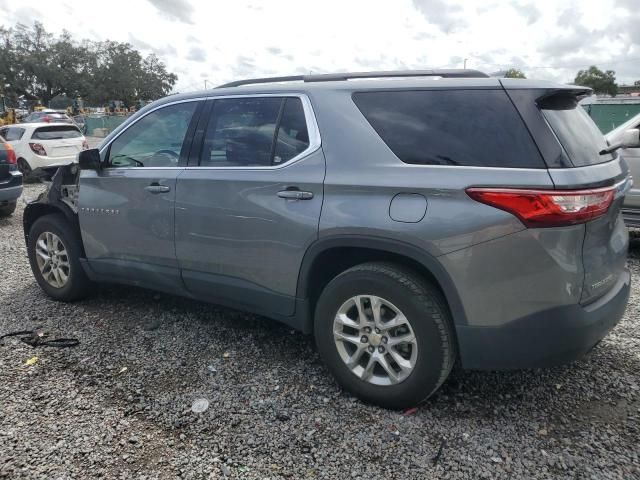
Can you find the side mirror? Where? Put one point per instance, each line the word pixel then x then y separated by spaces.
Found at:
pixel 631 138
pixel 89 159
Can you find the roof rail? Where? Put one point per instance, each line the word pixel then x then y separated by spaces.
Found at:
pixel 332 77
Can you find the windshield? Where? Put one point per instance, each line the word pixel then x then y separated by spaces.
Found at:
pixel 580 137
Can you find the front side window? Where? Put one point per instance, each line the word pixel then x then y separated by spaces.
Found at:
pixel 254 132
pixel 156 140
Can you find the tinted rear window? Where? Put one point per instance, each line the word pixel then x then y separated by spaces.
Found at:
pixel 57 132
pixel 576 132
pixel 451 127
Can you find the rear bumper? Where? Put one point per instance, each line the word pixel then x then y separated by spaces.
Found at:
pixel 36 161
pixel 11 189
pixel 547 338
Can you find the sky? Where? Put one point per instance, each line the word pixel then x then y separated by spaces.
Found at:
pixel 210 42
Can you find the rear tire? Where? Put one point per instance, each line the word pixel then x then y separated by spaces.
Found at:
pixel 70 281
pixel 24 167
pixel 7 210
pixel 424 346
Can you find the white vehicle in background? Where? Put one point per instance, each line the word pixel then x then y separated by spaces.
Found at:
pixel 43 144
pixel 631 206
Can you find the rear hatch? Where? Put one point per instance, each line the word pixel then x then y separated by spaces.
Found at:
pixel 604 250
pixel 59 140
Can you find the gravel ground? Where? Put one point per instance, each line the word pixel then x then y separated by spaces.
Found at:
pixel 119 404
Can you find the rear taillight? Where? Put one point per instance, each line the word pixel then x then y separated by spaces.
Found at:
pixel 547 208
pixel 85 145
pixel 38 149
pixel 12 159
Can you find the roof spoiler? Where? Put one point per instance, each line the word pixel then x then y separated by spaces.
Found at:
pixel 562 98
pixel 333 77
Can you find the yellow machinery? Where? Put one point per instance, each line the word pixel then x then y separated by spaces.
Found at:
pixel 7 115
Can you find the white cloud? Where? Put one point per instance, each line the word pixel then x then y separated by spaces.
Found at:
pixel 231 39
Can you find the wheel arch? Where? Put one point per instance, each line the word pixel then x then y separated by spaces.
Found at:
pixel 330 256
pixel 34 211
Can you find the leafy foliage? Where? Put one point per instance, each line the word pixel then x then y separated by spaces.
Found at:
pixel 601 82
pixel 514 73
pixel 37 64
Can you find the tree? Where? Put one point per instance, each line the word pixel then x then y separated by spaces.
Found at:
pixel 514 73
pixel 601 82
pixel 38 64
pixel 636 83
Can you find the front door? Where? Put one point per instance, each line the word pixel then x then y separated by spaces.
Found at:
pixel 126 210
pixel 248 208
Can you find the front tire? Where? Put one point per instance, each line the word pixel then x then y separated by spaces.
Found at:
pixel 386 334
pixel 54 250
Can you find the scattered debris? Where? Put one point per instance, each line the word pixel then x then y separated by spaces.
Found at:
pixel 212 369
pixel 225 470
pixel 200 405
pixel 439 454
pixel 542 431
pixel 496 459
pixel 31 361
pixel 225 355
pixel 35 338
pixel 122 370
pixel 282 416
pixel 410 411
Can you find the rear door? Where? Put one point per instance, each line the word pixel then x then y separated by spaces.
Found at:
pixel 59 141
pixel 580 165
pixel 126 209
pixel 248 206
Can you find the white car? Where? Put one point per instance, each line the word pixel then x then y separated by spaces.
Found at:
pixel 42 144
pixel 631 206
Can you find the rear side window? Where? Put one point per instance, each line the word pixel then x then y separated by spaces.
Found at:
pixel 56 132
pixel 254 132
pixel 451 127
pixel 13 134
pixel 292 137
pixel 576 132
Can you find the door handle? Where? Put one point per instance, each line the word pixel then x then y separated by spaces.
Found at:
pixel 157 188
pixel 296 194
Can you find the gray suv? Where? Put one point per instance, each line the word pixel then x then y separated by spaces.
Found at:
pixel 408 223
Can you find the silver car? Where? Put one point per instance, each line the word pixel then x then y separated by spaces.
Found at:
pixel 408 224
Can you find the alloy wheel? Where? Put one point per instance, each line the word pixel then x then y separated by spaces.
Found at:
pixel 52 259
pixel 375 340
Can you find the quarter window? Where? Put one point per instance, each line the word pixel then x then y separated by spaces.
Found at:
pixel 451 127
pixel 254 132
pixel 12 134
pixel 293 136
pixel 156 140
